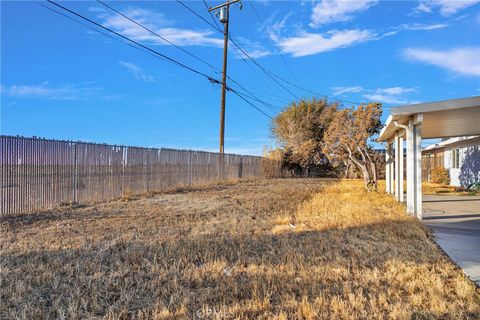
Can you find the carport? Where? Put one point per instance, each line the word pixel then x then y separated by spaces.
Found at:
pixel 441 119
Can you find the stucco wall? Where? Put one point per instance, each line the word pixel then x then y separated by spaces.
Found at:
pixel 469 166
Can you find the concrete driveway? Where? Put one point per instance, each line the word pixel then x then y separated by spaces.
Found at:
pixel 455 220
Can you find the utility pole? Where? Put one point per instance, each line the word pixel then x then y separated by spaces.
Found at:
pixel 223 13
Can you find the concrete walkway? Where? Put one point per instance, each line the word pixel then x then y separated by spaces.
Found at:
pixel 455 221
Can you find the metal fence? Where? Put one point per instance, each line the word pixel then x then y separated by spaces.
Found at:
pixel 39 174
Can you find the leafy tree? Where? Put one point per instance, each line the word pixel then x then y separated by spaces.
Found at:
pixel 300 128
pixel 347 139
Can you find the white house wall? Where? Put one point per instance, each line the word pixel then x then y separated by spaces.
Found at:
pixel 472 149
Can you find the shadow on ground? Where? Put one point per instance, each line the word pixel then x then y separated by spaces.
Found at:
pixel 379 270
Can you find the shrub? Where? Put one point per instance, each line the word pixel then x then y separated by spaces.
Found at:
pixel 271 168
pixel 440 175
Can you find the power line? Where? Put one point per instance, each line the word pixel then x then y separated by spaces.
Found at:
pixel 238 47
pixel 163 38
pixel 96 30
pixel 241 96
pixel 217 27
pixel 211 14
pixel 265 70
pixel 273 108
pixel 313 92
pixel 158 35
pixel 278 99
pixel 184 50
pixel 139 46
pixel 273 75
pixel 251 95
pixel 157 54
pixel 199 16
pixel 234 43
pixel 211 79
pixel 178 47
pixel 261 67
pixel 265 30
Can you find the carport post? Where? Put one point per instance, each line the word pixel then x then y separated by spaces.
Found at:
pixel 414 165
pixel 399 166
pixel 389 175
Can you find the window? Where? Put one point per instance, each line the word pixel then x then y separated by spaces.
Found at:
pixel 456 158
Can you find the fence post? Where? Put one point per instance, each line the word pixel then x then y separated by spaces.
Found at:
pixel 75 173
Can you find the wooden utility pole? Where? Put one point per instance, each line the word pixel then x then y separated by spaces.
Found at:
pixel 224 19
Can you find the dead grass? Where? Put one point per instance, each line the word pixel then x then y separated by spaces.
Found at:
pixel 435 188
pixel 272 249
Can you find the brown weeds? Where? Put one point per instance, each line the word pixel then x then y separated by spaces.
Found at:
pixel 284 249
pixel 436 188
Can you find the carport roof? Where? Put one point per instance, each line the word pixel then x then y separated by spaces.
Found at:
pixel 441 119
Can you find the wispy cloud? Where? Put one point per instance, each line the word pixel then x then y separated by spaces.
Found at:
pixel 306 43
pixel 390 95
pixel 80 91
pixel 329 11
pixel 179 36
pixel 395 90
pixel 388 99
pixel 275 28
pixel 251 48
pixel 298 42
pixel 342 90
pixel 137 71
pixel 462 61
pixel 160 25
pixel 445 7
pixel 423 26
pixel 414 27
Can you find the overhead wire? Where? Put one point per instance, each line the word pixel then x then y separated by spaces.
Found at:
pixel 96 30
pixel 230 36
pixel 174 61
pixel 132 43
pixel 265 70
pixel 158 35
pixel 263 26
pixel 241 96
pixel 288 67
pixel 217 27
pixel 235 43
pixel 186 51
pixel 139 46
pixel 272 107
pixel 211 14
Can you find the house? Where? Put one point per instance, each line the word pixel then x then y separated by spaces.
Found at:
pixel 430 120
pixel 461 156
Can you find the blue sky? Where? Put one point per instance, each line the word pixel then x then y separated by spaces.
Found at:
pixel 62 80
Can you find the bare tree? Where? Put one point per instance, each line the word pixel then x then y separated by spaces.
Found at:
pixel 347 139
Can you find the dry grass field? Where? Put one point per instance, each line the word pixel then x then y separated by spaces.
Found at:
pixel 435 188
pixel 271 249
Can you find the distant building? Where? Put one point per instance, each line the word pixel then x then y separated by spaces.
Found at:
pixel 461 156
